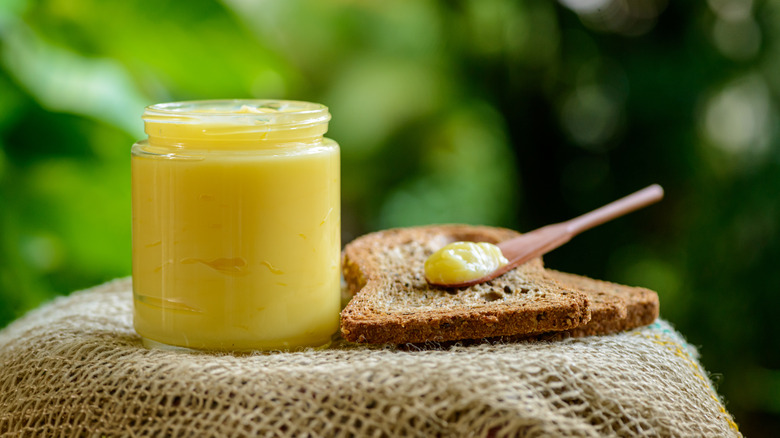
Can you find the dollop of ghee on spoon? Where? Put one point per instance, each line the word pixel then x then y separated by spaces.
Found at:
pixel 459 262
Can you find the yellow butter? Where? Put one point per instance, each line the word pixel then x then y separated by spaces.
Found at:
pixel 236 227
pixel 463 261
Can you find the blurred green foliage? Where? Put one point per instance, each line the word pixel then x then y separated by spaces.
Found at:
pixel 506 112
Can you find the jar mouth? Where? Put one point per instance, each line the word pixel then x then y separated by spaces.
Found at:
pixel 270 114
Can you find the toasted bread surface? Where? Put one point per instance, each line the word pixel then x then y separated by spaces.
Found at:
pixel 393 303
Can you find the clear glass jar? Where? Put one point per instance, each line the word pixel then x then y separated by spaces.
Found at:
pixel 236 226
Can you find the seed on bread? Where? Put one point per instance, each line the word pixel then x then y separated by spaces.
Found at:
pixel 493 296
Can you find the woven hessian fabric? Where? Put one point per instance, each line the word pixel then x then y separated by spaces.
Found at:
pixel 75 367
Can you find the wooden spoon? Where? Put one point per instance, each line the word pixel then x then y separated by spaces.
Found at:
pixel 543 240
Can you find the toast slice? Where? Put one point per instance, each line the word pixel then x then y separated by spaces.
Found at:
pixel 614 307
pixel 392 302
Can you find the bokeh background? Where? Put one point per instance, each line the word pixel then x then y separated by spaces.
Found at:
pixel 516 113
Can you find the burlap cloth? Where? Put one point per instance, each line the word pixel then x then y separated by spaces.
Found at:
pixel 75 367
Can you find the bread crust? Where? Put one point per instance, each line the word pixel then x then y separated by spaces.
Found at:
pixel 383 269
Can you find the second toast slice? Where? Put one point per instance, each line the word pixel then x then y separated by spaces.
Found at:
pixel 393 303
pixel 614 307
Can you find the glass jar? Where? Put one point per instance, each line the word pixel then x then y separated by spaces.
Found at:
pixel 236 226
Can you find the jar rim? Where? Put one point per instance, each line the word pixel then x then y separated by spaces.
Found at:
pixel 238 111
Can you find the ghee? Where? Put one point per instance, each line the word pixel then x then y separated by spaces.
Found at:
pixel 236 226
pixel 460 262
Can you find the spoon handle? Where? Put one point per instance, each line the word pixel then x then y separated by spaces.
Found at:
pixel 615 209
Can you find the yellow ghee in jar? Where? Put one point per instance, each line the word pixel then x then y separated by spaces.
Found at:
pixel 236 226
pixel 460 262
